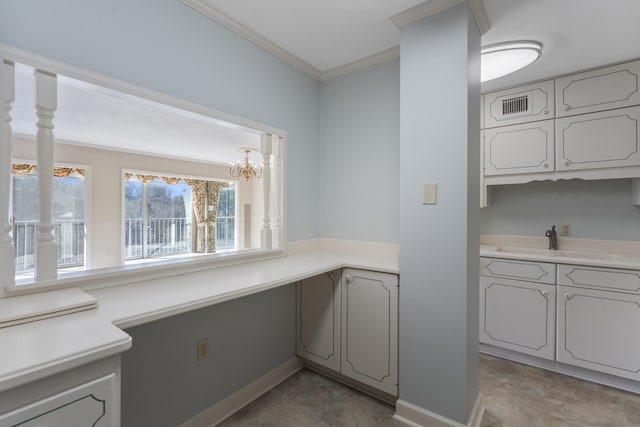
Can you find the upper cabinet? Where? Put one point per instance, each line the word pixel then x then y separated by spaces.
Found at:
pixel 602 89
pixel 519 105
pixel 525 148
pixel 585 126
pixel 598 140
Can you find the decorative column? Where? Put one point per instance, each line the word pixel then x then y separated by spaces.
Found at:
pixel 46 97
pixel 278 174
pixel 266 234
pixel 7 249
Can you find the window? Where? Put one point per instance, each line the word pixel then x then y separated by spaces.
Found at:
pixel 68 216
pixel 167 216
pixel 110 127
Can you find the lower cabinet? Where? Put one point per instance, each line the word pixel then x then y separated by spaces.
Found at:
pixel 518 315
pixel 87 396
pixel 348 322
pixel 599 330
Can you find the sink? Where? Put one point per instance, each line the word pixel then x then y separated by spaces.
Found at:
pixel 564 253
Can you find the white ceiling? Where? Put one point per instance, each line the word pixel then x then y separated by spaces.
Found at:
pixel 330 35
pixel 102 117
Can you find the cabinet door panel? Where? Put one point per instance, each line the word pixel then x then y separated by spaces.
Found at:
pixel 599 278
pixel 370 328
pixel 318 322
pixel 599 330
pixel 526 148
pixel 519 105
pixel 523 270
pixel 91 404
pixel 598 140
pixel 518 315
pixel 597 90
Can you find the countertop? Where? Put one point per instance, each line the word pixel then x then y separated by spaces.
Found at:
pixel 596 253
pixel 32 351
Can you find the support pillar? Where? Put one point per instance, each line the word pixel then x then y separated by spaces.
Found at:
pixel 7 248
pixel 46 103
pixel 439 144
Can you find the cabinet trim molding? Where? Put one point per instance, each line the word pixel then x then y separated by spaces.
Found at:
pixel 527 264
pixel 571 275
pixel 334 281
pixel 577 296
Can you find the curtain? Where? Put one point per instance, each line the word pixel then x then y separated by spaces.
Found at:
pixel 203 195
pixel 24 169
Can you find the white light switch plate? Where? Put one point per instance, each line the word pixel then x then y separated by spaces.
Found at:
pixel 430 196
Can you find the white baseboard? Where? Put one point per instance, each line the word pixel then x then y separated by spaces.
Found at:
pixel 224 409
pixel 415 416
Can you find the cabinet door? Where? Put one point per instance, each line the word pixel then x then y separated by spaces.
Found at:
pixel 370 328
pixel 519 105
pixel 599 330
pixel 518 315
pixel 598 90
pixel 526 148
pixel 598 140
pixel 90 404
pixel 605 279
pixel 318 320
pixel 533 271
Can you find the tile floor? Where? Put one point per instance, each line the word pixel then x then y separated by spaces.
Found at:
pixel 515 395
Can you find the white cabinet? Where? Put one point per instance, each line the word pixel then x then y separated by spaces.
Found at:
pixel 598 90
pixel 598 140
pixel 318 319
pixel 518 315
pixel 370 328
pixel 519 105
pixel 348 323
pixel 599 330
pixel 524 148
pixel 86 396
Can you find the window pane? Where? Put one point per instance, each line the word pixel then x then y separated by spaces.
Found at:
pixel 68 218
pixel 133 226
pixel 169 218
pixel 225 221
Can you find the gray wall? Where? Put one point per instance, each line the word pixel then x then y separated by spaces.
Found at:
pixel 439 127
pixel 162 382
pixel 359 134
pixel 595 209
pixel 166 46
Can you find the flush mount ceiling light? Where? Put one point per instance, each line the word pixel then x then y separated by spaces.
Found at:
pixel 504 58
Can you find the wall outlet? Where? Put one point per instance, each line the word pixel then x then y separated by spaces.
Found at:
pixel 202 351
pixel 565 230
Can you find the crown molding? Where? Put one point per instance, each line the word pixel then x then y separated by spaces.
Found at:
pixel 431 7
pixel 376 58
pixel 252 36
pixel 414 14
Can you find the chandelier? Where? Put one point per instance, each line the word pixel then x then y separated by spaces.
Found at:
pixel 245 169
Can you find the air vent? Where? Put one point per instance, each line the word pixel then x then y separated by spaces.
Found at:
pixel 519 104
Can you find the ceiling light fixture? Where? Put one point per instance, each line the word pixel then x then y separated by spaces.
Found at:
pixel 245 169
pixel 504 58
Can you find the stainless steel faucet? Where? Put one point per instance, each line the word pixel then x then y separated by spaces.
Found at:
pixel 553 238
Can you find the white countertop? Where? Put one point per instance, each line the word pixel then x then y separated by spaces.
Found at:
pixel 596 253
pixel 38 349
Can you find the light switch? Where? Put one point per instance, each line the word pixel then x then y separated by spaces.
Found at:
pixel 430 196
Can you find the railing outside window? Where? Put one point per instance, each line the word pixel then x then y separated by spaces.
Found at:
pixel 165 236
pixel 69 237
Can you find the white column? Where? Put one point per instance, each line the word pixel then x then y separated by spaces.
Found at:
pixel 46 97
pixel 266 233
pixel 7 250
pixel 278 174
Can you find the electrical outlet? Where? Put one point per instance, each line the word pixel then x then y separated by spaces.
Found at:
pixel 565 230
pixel 202 351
